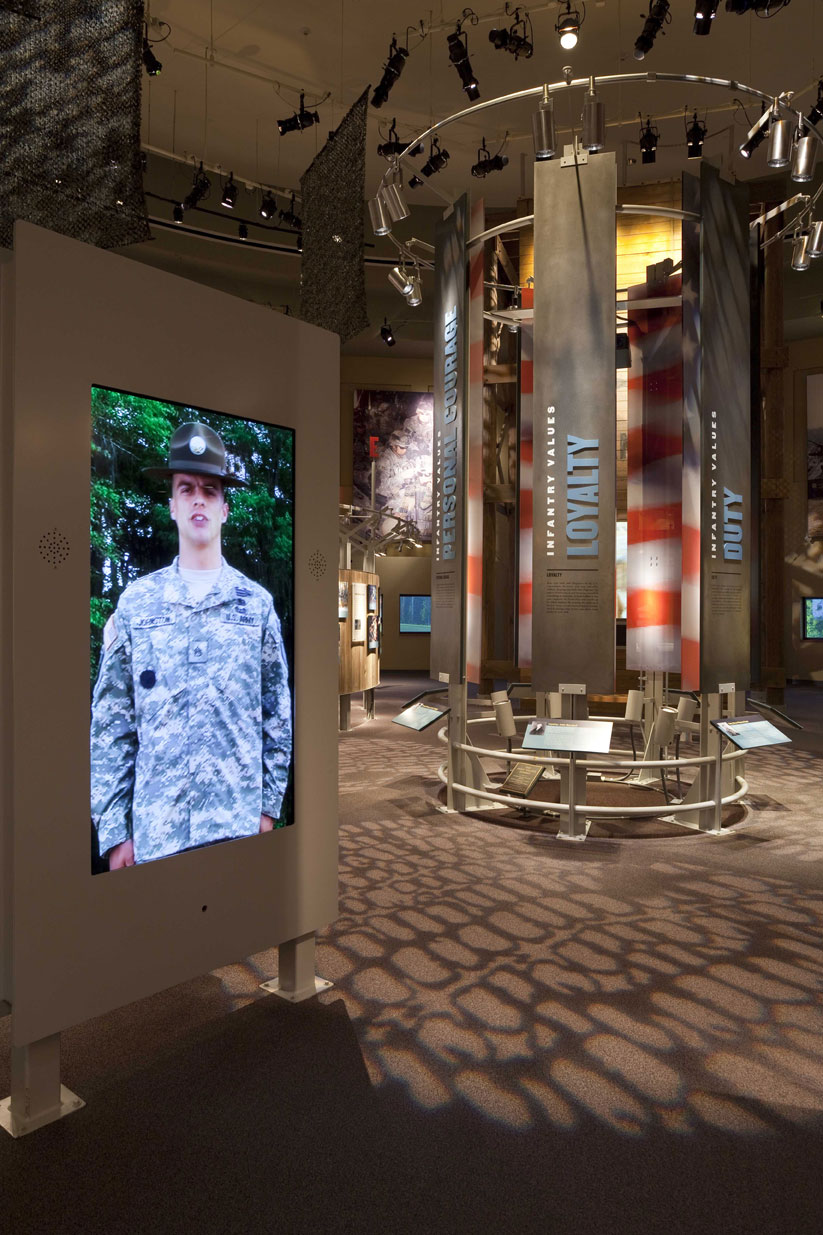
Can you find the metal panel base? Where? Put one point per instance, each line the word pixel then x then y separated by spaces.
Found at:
pixel 273 988
pixel 69 1103
pixel 578 836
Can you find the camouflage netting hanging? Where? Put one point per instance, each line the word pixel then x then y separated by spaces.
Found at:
pixel 333 292
pixel 70 119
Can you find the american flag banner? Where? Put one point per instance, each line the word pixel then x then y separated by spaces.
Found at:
pixel 525 488
pixel 474 459
pixel 654 489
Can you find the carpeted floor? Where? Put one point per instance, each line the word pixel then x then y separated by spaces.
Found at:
pixel 524 1035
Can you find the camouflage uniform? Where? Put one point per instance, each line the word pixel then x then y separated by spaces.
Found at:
pixel 191 716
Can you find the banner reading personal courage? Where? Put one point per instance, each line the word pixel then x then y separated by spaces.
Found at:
pixel 448 449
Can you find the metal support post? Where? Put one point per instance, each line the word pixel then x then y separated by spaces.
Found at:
pixel 465 768
pixel 368 703
pixel 37 1097
pixel 573 792
pixel 296 979
pixel 718 790
pixel 345 713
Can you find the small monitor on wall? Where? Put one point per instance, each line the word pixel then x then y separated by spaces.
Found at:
pixel 812 617
pixel 415 614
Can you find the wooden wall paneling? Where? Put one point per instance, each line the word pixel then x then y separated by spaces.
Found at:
pixel 359 668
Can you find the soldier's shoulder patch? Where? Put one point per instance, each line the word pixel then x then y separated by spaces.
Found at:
pixel 110 633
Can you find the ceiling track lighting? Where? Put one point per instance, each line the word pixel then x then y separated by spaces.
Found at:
pixel 567 27
pixel 756 135
pixel 649 137
pixel 414 298
pixel 437 160
pixel 177 212
pixel 290 218
pixel 387 334
pixel 487 162
pixel 459 54
pixel 393 147
pixel 401 280
pixel 518 39
pixel 593 121
pixel 543 134
pixel 391 195
pixel 816 238
pixel 705 12
pixel 781 134
pixel 268 205
pixel 760 8
pixel 302 119
pixel 229 198
pixel 392 69
pixel 243 231
pixel 657 17
pixel 805 153
pixel 200 189
pixel 801 258
pixel 695 136
pixel 150 62
pixel 379 215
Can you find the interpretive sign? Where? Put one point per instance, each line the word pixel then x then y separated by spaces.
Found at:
pixel 521 780
pixel 419 716
pixel 573 553
pixel 750 731
pixel 590 736
pixel 448 447
pixel 717 435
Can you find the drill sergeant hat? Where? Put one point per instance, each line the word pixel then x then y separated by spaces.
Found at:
pixel 198 450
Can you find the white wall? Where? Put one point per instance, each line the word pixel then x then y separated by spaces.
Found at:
pixel 403 574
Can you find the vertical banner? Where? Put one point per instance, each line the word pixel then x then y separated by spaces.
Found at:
pixel 448 583
pixel 573 555
pixel 474 456
pixel 718 446
pixel 655 485
pixel 525 485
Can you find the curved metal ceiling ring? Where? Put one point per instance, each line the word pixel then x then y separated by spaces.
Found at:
pixel 514 225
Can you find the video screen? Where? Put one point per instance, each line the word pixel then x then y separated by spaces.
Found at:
pixel 813 617
pixel 192 628
pixel 415 615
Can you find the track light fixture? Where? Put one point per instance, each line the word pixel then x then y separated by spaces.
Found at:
pixel 391 71
pixel 705 12
pixel 414 298
pixel 177 212
pixel 781 133
pixel 593 121
pixel 401 280
pixel 379 215
pixel 816 112
pixel 658 15
pixel 150 62
pixel 487 162
pixel 695 136
pixel 756 136
pixel 437 159
pixel 414 182
pixel 290 218
pixel 816 238
pixel 229 198
pixel 545 142
pixel 767 7
pixel 268 205
pixel 801 259
pixel 200 189
pixel 568 26
pixel 387 334
pixel 394 147
pixel 649 136
pixel 299 242
pixel 518 39
pixel 805 153
pixel 243 231
pixel 302 119
pixel 459 55
pixel 391 195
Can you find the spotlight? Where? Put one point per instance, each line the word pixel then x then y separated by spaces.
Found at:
pixel 695 136
pixel 801 259
pixel 414 298
pixel 392 148
pixel 387 334
pixel 299 244
pixel 769 7
pixel 200 189
pixel 816 239
pixel 488 163
pixel 301 119
pixel 379 215
pixel 545 142
pixel 623 355
pixel 401 280
pixel 593 136
pixel 459 56
pixel 177 213
pixel 391 71
pixel 394 203
pixel 290 218
pixel 437 159
pixel 150 61
pixel 517 38
pixel 816 112
pixel 780 139
pixel 568 26
pixel 805 154
pixel 243 231
pixel 756 136
pixel 414 182
pixel 658 14
pixel 229 198
pixel 268 206
pixel 648 141
pixel 705 12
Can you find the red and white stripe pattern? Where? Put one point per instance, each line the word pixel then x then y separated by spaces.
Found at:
pixel 526 487
pixel 474 452
pixel 655 485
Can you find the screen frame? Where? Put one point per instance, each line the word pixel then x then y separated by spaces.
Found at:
pixel 105 320
pixel 412 596
pixel 805 605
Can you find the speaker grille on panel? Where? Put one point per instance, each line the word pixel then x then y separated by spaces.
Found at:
pixel 317 565
pixel 54 548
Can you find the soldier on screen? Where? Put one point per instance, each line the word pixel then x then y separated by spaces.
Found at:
pixel 191 714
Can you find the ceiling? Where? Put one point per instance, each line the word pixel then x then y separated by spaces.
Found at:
pixel 232 68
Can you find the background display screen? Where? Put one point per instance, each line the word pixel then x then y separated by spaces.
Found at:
pixel 415 615
pixel 813 617
pixel 192 626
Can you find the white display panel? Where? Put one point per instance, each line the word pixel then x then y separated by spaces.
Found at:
pixel 83 945
pixel 579 736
